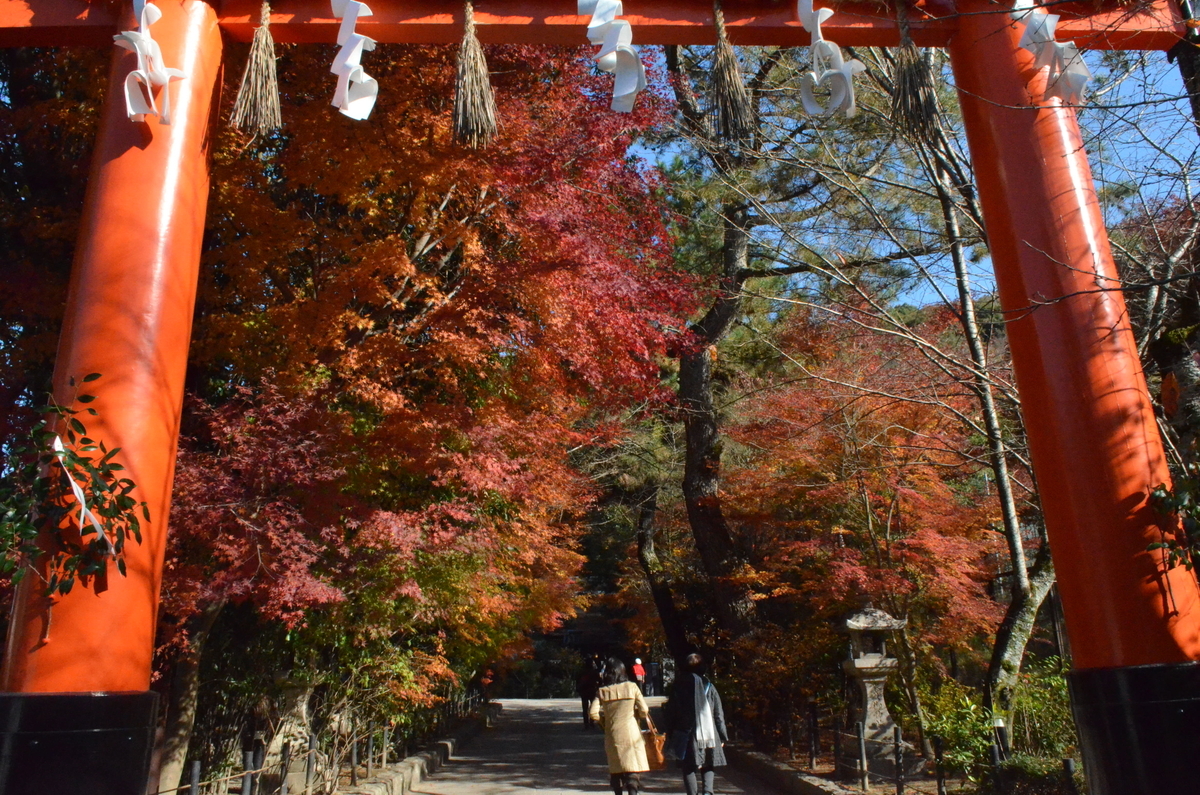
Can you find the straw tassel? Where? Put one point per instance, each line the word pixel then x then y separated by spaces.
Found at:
pixel 731 102
pixel 914 98
pixel 257 105
pixel 474 100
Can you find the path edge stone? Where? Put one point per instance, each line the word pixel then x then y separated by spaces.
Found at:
pixel 780 775
pixel 401 777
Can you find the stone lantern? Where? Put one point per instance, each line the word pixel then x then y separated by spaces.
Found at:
pixel 870 666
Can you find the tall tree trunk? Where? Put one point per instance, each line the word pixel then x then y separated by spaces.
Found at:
pixel 982 387
pixel 181 707
pixel 656 575
pixel 908 674
pixel 1013 635
pixel 1029 589
pixel 1187 55
pixel 719 554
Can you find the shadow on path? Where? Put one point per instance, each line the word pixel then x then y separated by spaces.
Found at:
pixel 540 745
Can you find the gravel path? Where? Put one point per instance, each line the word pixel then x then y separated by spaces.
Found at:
pixel 540 745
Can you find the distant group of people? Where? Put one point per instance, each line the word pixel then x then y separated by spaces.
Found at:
pixel 592 675
pixel 694 722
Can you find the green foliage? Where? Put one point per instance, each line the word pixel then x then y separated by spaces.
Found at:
pixel 1041 724
pixel 1041 730
pixel 1022 774
pixel 36 494
pixel 1181 503
pixel 549 672
pixel 957 715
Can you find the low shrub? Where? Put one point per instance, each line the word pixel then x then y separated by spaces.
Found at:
pixel 1022 774
pixel 956 714
pixel 1040 722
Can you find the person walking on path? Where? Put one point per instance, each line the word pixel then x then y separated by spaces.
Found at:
pixel 695 727
pixel 587 685
pixel 618 706
pixel 639 675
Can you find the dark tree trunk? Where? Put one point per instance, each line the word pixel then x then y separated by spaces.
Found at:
pixel 719 554
pixel 1013 635
pixel 181 706
pixel 1187 55
pixel 1176 349
pixel 660 587
pixel 1175 352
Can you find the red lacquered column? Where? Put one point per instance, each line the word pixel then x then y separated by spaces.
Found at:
pixel 1134 626
pixel 129 318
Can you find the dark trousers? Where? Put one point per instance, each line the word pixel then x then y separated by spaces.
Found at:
pixel 587 702
pixel 631 782
pixel 698 779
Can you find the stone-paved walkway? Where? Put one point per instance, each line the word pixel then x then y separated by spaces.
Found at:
pixel 540 745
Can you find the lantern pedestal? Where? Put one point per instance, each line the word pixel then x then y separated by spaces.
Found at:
pixel 870 667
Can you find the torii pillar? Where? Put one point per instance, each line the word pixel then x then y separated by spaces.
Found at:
pixel 78 715
pixel 77 712
pixel 1134 625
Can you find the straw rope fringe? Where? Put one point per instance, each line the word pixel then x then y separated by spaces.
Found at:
pixel 474 100
pixel 914 97
pixel 257 105
pixel 731 102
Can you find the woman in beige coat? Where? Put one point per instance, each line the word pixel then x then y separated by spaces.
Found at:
pixel 618 706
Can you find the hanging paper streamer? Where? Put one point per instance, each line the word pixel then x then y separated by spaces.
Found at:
pixel 1069 75
pixel 151 72
pixel 356 90
pixel 617 54
pixel 85 515
pixel 829 69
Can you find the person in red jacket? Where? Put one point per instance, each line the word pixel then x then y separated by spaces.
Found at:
pixel 639 674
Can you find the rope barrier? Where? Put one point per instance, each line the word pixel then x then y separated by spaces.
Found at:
pixel 458 708
pixel 233 776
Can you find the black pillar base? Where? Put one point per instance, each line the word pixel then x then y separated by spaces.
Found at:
pixel 1139 728
pixel 76 743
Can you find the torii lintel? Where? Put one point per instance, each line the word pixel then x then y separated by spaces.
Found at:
pixel 1150 25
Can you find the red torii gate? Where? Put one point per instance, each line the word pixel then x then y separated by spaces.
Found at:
pixel 77 715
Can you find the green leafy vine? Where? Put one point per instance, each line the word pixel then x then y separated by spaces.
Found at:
pixel 44 527
pixel 1181 502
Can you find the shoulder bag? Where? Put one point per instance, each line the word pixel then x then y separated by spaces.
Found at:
pixel 654 746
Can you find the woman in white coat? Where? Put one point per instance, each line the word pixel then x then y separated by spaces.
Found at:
pixel 618 706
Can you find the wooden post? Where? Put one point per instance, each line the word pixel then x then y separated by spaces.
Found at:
pixel 814 739
pixel 370 753
pixel 285 762
pixel 939 770
pixel 898 753
pixel 247 773
pixel 864 775
pixel 310 764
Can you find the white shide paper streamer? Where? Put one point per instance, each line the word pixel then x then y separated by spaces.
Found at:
pixel 151 71
pixel 617 54
pixel 1068 75
pixel 829 69
pixel 85 514
pixel 356 90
